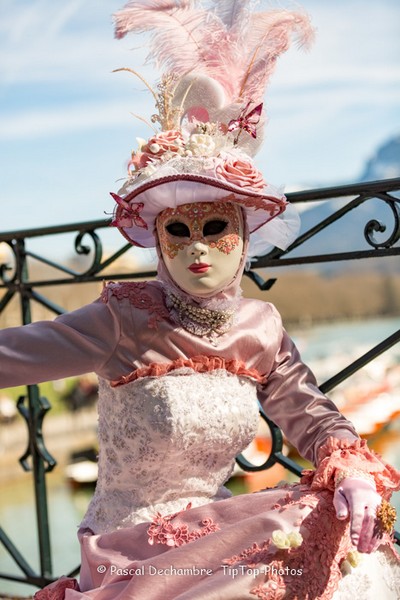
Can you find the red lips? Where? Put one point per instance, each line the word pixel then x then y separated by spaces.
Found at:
pixel 199 267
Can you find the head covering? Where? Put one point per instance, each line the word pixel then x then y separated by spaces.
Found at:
pixel 217 64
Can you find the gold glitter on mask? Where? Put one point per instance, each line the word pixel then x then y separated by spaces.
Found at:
pixel 195 216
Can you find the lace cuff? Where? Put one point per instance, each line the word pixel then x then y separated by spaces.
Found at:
pixel 354 474
pixel 337 456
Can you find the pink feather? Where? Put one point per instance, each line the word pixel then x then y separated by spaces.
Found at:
pixel 236 47
pixel 177 30
pixel 233 12
pixel 270 35
pixel 142 15
pixel 243 57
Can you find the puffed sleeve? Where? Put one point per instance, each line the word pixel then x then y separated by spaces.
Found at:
pixel 291 398
pixel 74 343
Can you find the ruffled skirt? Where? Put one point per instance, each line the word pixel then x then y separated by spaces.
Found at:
pixel 282 543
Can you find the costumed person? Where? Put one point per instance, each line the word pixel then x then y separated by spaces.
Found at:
pixel 184 361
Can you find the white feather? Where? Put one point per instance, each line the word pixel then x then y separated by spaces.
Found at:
pixel 232 12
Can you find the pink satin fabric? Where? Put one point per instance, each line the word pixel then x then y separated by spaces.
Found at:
pixel 114 339
pixel 125 333
pixel 122 565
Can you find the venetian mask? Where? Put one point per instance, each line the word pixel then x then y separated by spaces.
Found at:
pixel 202 245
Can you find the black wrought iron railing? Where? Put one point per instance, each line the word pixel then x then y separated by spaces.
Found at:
pixel 16 281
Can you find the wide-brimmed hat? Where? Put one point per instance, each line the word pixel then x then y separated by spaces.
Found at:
pixel 209 105
pixel 138 205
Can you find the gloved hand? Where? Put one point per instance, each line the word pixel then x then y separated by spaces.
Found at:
pixel 358 497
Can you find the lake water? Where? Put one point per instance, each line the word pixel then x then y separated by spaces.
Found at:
pixel 325 348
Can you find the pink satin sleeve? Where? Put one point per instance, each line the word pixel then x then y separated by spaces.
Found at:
pixel 291 398
pixel 75 343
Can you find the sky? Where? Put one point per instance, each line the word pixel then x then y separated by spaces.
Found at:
pixel 66 124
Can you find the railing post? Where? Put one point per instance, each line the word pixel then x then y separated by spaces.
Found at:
pixel 34 416
pixel 14 279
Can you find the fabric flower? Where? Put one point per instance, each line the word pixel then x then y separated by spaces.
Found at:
pixel 280 539
pixel 295 539
pixel 201 144
pixel 160 146
pixel 354 558
pixel 160 143
pixel 162 531
pixel 284 541
pixel 345 567
pixel 241 173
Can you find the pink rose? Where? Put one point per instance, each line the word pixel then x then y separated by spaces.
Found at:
pixel 155 147
pixel 171 140
pixel 241 173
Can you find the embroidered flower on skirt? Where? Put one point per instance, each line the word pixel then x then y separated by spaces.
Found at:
pixel 161 530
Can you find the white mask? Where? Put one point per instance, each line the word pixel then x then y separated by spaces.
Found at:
pixel 202 245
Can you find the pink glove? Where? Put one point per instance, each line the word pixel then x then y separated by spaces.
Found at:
pixel 358 497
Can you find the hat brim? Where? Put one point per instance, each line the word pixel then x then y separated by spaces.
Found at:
pixel 148 200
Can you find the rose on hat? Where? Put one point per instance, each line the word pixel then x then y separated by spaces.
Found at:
pixel 209 107
pixel 241 173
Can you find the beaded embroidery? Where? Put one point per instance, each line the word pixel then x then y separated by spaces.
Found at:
pixel 199 320
pixel 352 472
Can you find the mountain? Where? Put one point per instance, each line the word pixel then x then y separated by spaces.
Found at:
pixel 349 230
pixel 385 164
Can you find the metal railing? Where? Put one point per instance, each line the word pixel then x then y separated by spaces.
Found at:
pixel 15 281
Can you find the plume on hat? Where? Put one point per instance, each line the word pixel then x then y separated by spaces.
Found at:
pixel 216 58
pixel 229 43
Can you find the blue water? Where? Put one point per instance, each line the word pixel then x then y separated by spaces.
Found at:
pixel 343 338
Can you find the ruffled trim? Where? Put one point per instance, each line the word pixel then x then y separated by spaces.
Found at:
pixel 57 589
pixel 345 455
pixel 199 364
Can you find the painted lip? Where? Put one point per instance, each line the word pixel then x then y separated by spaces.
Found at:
pixel 199 267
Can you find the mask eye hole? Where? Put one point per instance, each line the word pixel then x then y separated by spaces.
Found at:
pixel 178 229
pixel 214 227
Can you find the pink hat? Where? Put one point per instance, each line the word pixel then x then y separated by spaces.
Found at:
pixel 211 119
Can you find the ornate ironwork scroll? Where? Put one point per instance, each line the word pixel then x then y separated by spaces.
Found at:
pixel 15 281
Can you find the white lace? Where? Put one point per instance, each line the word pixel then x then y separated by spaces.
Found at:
pixel 167 441
pixel 377 577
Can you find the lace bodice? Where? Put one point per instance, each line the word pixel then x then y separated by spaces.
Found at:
pixel 168 441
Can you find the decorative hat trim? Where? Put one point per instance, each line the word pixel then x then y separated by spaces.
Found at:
pixel 136 213
pixel 217 63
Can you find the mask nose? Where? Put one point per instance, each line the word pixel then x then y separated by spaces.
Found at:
pixel 198 249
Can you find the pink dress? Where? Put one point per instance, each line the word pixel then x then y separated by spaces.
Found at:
pixel 174 411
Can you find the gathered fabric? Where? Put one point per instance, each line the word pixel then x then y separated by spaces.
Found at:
pixel 174 412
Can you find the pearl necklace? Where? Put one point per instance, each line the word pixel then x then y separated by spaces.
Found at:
pixel 200 321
